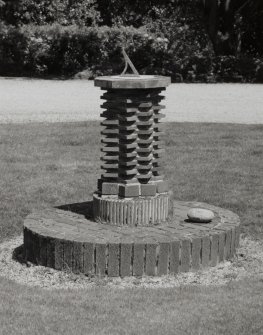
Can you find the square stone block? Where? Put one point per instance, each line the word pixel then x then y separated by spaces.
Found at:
pixel 162 186
pixel 129 190
pixel 148 190
pixel 110 188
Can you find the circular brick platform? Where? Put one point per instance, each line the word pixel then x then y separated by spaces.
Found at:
pixel 68 239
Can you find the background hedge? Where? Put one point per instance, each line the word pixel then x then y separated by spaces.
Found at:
pixel 61 38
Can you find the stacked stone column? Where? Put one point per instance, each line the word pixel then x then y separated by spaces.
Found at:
pixel 132 190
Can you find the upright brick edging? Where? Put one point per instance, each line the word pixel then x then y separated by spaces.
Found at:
pixel 145 211
pixel 68 241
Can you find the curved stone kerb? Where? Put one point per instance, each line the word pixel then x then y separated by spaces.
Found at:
pixel 68 241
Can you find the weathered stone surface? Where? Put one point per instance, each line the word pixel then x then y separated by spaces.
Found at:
pixel 131 145
pixel 222 238
pixel 162 186
pixel 214 249
pixel 77 258
pixel 42 250
pixel 132 82
pixel 227 244
pixel 148 190
pixel 206 249
pixel 196 252
pixel 151 260
pixel 88 258
pixel 232 247
pixel 174 256
pixel 100 259
pixel 127 191
pixel 200 215
pixel 59 254
pixel 185 255
pixel 67 262
pixel 110 188
pixel 138 259
pixel 125 259
pixel 113 265
pixel 144 211
pixel 162 268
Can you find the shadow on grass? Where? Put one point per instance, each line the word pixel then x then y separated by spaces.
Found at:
pixel 18 254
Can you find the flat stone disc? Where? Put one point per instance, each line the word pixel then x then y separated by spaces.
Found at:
pixel 132 82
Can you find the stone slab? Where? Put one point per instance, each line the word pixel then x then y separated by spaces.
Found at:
pixel 100 259
pixel 125 259
pixel 196 253
pixel 127 191
pixel 174 257
pixel 163 258
pixel 206 250
pixel 109 188
pixel 185 255
pixel 113 263
pixel 148 190
pixel 132 82
pixel 138 259
pixel 151 254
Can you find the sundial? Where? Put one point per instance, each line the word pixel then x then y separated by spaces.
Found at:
pixel 131 227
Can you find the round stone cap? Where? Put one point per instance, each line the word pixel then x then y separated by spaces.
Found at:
pixel 132 82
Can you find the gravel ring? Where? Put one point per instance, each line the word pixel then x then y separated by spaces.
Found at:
pixel 248 263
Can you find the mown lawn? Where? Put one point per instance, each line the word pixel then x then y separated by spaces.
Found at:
pixel 233 309
pixel 51 164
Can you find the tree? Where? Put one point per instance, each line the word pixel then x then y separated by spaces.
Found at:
pixel 235 26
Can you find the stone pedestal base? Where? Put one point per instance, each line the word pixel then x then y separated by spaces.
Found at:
pixel 146 211
pixel 70 241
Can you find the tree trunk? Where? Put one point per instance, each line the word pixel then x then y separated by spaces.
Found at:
pixel 212 20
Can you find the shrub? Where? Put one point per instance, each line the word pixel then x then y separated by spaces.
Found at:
pixel 41 12
pixel 134 12
pixel 57 50
pixel 237 69
pixel 13 44
pixel 169 38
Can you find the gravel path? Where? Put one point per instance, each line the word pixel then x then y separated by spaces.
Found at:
pixel 34 100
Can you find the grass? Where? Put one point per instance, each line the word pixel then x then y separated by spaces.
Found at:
pixel 235 309
pixel 51 164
